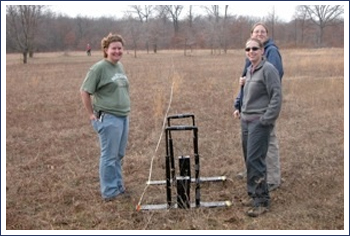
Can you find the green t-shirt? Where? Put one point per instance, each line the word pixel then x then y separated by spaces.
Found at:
pixel 109 86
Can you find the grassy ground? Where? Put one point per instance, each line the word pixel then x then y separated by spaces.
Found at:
pixel 52 151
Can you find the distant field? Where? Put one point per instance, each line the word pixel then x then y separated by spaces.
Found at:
pixel 52 151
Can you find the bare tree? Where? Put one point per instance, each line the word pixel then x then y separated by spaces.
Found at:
pixel 144 13
pixel 214 18
pixel 302 23
pixel 225 28
pixel 213 11
pixel 188 30
pixel 23 21
pixel 190 16
pixel 134 32
pixel 82 30
pixel 322 16
pixel 174 11
pixel 272 20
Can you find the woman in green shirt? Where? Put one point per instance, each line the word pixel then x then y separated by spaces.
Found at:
pixel 105 95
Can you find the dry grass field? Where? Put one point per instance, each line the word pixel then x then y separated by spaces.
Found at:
pixel 52 151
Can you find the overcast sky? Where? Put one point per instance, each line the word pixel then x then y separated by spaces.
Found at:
pixel 97 9
pixel 284 10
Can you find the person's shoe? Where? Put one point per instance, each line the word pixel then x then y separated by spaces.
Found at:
pixel 109 199
pixel 242 175
pixel 257 211
pixel 124 195
pixel 249 202
pixel 272 187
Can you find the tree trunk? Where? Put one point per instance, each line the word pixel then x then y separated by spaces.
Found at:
pixel 25 56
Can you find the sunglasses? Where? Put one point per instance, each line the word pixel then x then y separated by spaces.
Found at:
pixel 252 48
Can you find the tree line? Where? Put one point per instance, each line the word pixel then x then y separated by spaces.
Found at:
pixel 35 28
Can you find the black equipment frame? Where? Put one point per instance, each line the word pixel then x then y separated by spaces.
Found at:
pixel 170 168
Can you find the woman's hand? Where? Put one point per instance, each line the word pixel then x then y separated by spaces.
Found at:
pixel 242 81
pixel 236 114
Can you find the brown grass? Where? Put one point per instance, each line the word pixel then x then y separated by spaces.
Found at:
pixel 52 151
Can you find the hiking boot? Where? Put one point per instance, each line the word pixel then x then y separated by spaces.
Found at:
pixel 272 187
pixel 256 211
pixel 242 175
pixel 249 202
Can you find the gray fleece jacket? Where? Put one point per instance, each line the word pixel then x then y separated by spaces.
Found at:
pixel 262 94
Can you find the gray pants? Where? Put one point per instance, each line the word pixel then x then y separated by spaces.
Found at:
pixel 255 143
pixel 273 160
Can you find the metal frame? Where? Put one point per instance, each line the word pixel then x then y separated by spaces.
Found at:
pixel 171 179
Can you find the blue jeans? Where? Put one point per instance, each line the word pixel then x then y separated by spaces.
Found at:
pixel 113 136
pixel 255 142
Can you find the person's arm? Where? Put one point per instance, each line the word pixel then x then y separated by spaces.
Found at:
pixel 273 87
pixel 85 96
pixel 274 57
pixel 238 103
pixel 246 65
